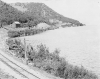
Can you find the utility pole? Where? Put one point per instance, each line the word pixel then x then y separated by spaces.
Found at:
pixel 26 62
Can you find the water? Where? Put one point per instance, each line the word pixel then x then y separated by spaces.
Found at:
pixel 79 45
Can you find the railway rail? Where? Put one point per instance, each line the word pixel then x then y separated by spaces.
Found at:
pixel 21 71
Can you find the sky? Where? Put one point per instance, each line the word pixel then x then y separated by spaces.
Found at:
pixel 86 11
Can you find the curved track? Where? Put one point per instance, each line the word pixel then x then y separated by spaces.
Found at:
pixel 21 71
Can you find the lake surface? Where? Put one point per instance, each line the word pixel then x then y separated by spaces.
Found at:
pixel 79 45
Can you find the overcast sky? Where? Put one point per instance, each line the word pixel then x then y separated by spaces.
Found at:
pixel 86 11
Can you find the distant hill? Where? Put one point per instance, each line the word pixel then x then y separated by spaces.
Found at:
pixel 8 14
pixel 42 11
pixel 32 13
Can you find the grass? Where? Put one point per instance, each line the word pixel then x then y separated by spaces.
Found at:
pixel 50 62
pixel 4 75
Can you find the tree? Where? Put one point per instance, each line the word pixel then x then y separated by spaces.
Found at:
pixel 31 24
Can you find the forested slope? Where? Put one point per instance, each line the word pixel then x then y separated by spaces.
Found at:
pixel 35 13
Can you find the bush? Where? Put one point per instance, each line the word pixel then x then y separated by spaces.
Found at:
pixel 13 34
pixel 50 62
pixel 16 46
pixel 26 32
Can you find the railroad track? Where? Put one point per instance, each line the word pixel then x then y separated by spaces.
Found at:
pixel 21 71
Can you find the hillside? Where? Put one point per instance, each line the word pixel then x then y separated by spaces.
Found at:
pixel 42 11
pixel 32 14
pixel 8 14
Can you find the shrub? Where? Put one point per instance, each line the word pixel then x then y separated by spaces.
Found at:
pixel 61 69
pixel 16 46
pixel 31 53
pixel 26 32
pixel 13 34
pixel 50 62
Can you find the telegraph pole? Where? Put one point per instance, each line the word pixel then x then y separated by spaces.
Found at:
pixel 25 52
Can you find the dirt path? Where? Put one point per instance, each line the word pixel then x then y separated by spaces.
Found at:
pixel 5 75
pixel 3 37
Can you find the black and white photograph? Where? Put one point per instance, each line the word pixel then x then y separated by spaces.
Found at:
pixel 49 39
